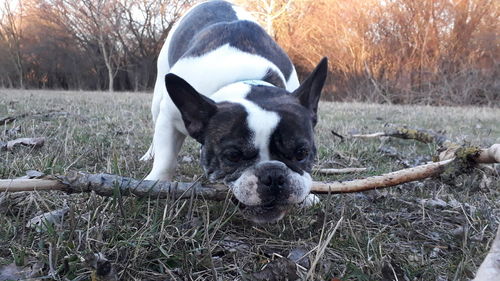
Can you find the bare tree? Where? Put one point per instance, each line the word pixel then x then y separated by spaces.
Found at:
pixel 145 27
pixel 11 34
pixel 268 11
pixel 397 51
pixel 92 23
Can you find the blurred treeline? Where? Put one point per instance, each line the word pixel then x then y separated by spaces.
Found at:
pixel 394 51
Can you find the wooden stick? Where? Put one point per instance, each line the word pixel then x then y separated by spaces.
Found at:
pixel 328 171
pixel 108 185
pixel 50 113
pixel 369 136
pixel 32 142
pixel 490 155
pixel 20 185
pixel 425 136
pixel 385 180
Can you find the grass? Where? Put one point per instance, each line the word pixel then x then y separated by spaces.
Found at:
pixel 391 234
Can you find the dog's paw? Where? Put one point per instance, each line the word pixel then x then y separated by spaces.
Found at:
pixel 310 201
pixel 148 155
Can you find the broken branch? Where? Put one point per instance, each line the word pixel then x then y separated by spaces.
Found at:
pixel 107 185
pixel 331 171
pixel 490 155
pixel 50 113
pixel 32 142
pixel 425 136
pixel 385 180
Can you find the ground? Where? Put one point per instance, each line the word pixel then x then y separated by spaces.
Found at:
pixel 437 229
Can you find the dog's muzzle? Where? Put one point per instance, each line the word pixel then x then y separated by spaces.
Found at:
pixel 269 189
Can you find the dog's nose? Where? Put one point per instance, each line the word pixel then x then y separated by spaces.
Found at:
pixel 272 176
pixel 272 179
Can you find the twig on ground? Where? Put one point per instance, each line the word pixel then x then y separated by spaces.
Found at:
pixel 331 171
pixel 9 119
pixel 32 142
pixel 448 150
pixel 341 137
pixel 106 185
pixel 425 136
pixel 385 180
pixel 50 113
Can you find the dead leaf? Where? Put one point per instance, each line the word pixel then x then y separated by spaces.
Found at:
pixel 41 222
pixel 12 272
pixel 32 142
pixel 433 203
pixel 26 273
pixel 486 183
pixel 7 120
pixel 32 174
pixel 102 268
pixel 300 257
pixel 233 244
pixel 392 271
pixel 12 131
pixel 282 269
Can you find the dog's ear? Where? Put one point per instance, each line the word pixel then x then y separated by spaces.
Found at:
pixel 310 91
pixel 196 109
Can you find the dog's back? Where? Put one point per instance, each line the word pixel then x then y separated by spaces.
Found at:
pixel 197 19
pixel 220 26
pixel 214 24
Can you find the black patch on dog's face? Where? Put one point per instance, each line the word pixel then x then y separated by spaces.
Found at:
pixel 294 134
pixel 228 149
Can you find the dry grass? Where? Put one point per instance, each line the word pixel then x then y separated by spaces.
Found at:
pixel 394 234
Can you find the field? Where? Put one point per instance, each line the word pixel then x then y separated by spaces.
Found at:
pixel 437 229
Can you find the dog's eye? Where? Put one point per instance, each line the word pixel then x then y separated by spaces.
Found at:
pixel 233 156
pixel 301 154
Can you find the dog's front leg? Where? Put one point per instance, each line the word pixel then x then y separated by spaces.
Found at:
pixel 167 142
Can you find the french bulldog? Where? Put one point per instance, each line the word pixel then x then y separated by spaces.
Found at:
pixel 225 82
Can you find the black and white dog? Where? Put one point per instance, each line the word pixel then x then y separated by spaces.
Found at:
pixel 226 83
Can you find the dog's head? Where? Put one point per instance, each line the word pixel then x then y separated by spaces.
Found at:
pixel 257 139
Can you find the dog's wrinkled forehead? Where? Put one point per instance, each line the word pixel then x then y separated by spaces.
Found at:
pixel 260 122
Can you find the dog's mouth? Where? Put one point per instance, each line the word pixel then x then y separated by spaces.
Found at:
pixel 269 212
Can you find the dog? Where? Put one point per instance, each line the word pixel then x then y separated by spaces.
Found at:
pixel 225 82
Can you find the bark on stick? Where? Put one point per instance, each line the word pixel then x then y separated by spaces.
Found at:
pixel 109 185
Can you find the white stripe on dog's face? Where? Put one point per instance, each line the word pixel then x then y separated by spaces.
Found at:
pixel 261 122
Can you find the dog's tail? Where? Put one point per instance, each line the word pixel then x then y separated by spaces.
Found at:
pixel 149 154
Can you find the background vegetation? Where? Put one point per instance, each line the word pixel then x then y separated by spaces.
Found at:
pixel 398 51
